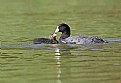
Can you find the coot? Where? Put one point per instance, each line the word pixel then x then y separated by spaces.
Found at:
pixel 51 40
pixel 65 36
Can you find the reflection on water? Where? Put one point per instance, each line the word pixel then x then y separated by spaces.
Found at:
pixel 60 63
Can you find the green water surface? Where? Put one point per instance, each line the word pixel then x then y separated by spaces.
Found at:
pixel 23 20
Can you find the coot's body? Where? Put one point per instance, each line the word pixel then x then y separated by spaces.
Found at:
pixel 82 40
pixel 44 41
pixel 51 40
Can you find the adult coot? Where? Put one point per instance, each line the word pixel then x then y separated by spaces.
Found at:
pixel 65 36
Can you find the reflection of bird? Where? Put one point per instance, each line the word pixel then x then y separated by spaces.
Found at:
pixel 51 40
pixel 65 36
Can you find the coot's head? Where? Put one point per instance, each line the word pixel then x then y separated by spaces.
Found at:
pixel 62 28
pixel 53 36
pixel 65 29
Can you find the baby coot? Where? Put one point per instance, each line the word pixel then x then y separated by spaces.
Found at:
pixel 51 40
pixel 65 36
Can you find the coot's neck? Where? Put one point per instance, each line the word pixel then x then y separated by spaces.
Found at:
pixel 65 34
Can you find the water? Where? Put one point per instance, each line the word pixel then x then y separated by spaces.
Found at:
pixel 21 61
pixel 31 63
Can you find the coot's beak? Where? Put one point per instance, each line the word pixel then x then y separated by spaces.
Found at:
pixel 57 29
